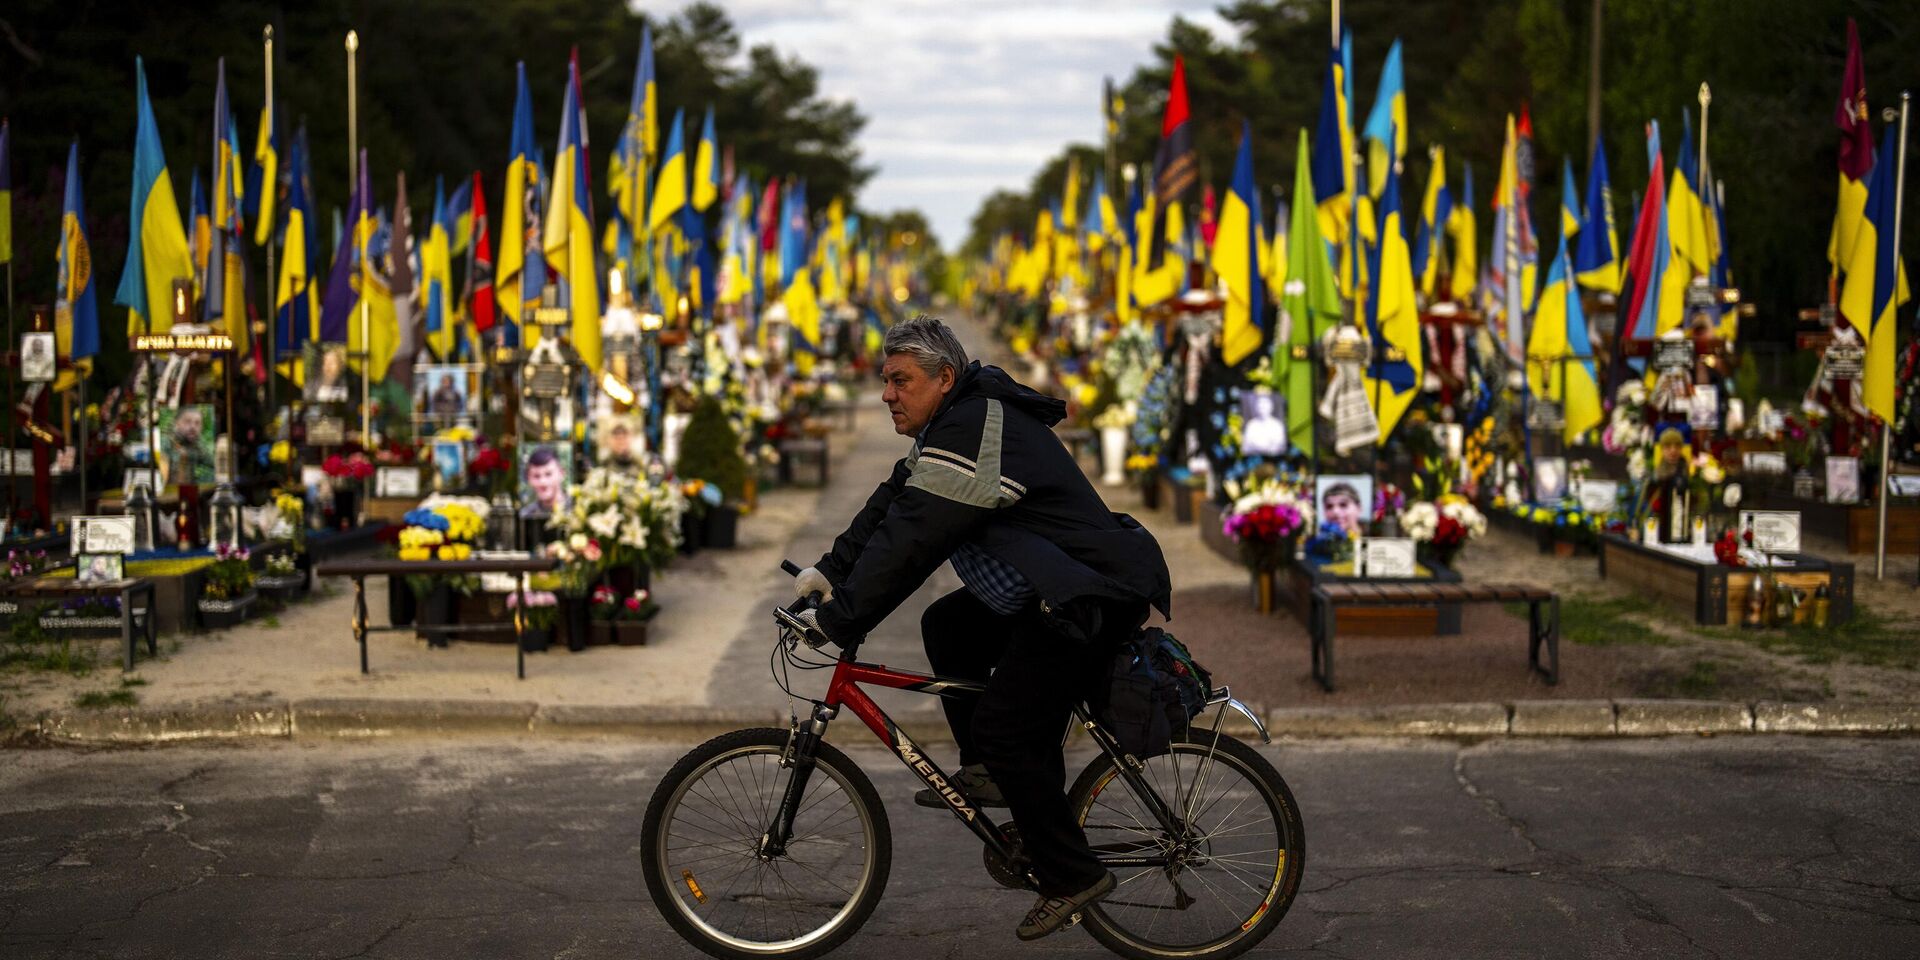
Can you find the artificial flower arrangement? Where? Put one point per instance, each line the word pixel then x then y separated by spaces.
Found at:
pixel 1388 501
pixel 349 471
pixel 581 559
pixel 444 531
pixel 1331 543
pixel 489 465
pixel 1150 418
pixel 281 565
pixel 1117 416
pixel 634 518
pixel 22 565
pixel 1265 517
pixel 1443 526
pixel 541 609
pixel 229 576
pixel 290 521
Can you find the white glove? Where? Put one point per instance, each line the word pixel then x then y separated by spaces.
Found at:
pixel 811 580
pixel 814 636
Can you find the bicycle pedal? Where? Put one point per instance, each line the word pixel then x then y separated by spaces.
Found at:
pixel 1071 921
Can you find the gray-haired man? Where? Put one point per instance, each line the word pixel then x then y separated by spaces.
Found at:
pixel 1054 581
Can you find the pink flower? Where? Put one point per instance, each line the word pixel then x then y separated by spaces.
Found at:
pixel 592 552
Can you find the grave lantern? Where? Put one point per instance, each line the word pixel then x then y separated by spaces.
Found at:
pixel 224 518
pixel 145 513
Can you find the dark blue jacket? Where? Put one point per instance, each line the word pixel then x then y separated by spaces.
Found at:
pixel 989 469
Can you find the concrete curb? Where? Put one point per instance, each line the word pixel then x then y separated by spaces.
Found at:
pixel 376 718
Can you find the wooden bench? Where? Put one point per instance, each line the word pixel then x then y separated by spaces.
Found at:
pixel 1329 598
pixel 798 450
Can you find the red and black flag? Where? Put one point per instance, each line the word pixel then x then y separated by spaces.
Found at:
pixel 1174 166
pixel 480 266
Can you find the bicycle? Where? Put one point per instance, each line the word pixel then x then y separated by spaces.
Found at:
pixel 747 853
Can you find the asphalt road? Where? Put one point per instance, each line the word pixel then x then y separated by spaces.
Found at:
pixel 1737 847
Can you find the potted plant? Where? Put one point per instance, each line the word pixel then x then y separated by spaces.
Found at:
pixel 1266 520
pixel 1440 528
pixel 710 452
pixel 540 613
pixel 283 580
pixel 580 559
pixel 621 619
pixel 226 588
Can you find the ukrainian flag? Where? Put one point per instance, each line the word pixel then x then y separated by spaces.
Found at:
pixel 1569 201
pixel 1560 356
pixel 436 267
pixel 1393 318
pixel 1877 283
pixel 568 232
pixel 1435 211
pixel 76 315
pixel 522 270
pixel 460 217
pixel 1239 257
pixel 1386 129
pixel 226 293
pixel 1332 156
pixel 354 285
pixel 297 300
pixel 1463 228
pixel 262 182
pixel 1596 259
pixel 670 190
pixel 156 243
pixel 1686 215
pixel 628 172
pixel 706 166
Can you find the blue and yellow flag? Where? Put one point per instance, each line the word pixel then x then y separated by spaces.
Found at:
pixel 1686 214
pixel 1877 283
pixel 263 179
pixel 358 309
pixel 568 232
pixel 1596 258
pixel 1332 156
pixel 297 298
pixel 1393 318
pixel 521 270
pixel 1386 128
pixel 1463 228
pixel 226 293
pixel 76 314
pixel 460 217
pixel 436 269
pixel 670 189
pixel 1239 257
pixel 1309 299
pixel 1559 355
pixel 794 229
pixel 706 166
pixel 156 242
pixel 1436 212
pixel 1569 201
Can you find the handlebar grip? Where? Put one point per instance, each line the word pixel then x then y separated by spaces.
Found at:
pixel 790 568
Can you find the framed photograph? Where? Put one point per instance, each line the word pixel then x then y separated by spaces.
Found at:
pixel 1263 423
pixel 1703 412
pixel 1597 497
pixel 1385 557
pixel 1904 484
pixel 186 444
pixel 396 482
pixel 23 462
pixel 545 470
pixel 1843 479
pixel 1549 479
pixel 620 439
pixel 1344 499
pixel 1765 463
pixel 443 392
pixel 329 380
pixel 37 363
pixel 449 463
pixel 1774 531
pixel 109 534
pixel 98 567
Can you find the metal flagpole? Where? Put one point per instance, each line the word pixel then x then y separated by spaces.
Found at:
pixel 1886 428
pixel 272 285
pixel 353 181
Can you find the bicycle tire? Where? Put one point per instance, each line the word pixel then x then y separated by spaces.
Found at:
pixel 673 794
pixel 1279 895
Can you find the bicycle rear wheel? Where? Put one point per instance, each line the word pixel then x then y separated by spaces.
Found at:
pixel 1233 871
pixel 701 840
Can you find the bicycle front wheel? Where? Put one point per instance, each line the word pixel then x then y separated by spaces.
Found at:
pixel 701 850
pixel 1232 868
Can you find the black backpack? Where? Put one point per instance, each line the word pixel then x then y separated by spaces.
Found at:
pixel 1154 689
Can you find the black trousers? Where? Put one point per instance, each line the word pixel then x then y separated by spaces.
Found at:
pixel 1034 676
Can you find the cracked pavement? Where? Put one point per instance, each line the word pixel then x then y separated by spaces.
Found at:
pixel 1749 848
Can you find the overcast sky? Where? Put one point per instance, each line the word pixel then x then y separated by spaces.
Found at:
pixel 965 96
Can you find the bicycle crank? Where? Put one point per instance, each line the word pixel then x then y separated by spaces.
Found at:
pixel 1011 874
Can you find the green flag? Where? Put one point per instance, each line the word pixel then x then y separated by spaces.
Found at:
pixel 1309 297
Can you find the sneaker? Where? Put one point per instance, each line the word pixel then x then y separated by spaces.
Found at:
pixel 1052 913
pixel 973 781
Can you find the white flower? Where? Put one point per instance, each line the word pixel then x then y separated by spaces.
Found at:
pixel 1637 465
pixel 1712 473
pixel 578 541
pixel 1731 497
pixel 606 523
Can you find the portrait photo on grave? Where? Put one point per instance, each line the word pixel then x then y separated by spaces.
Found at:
pixel 449 462
pixel 98 567
pixel 545 470
pixel 442 392
pixel 328 378
pixel 186 444
pixel 618 440
pixel 1345 499
pixel 1263 423
pixel 37 364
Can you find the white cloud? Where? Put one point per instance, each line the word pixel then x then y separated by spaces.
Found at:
pixel 965 97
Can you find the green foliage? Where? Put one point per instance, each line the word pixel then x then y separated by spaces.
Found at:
pixel 101 699
pixel 1604 621
pixel 710 451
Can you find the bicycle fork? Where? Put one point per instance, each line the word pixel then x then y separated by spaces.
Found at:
pixel 803 746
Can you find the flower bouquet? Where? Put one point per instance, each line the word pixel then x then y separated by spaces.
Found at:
pixel 621 619
pixel 635 520
pixel 347 473
pixel 1442 527
pixel 1265 520
pixel 226 587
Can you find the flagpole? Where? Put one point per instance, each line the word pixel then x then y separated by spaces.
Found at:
pixel 353 112
pixel 272 287
pixel 1886 427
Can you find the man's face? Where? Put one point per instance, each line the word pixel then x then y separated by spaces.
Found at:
pixel 910 394
pixel 544 478
pixel 331 363
pixel 619 441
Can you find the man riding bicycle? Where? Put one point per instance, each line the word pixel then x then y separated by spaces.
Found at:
pixel 1054 582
